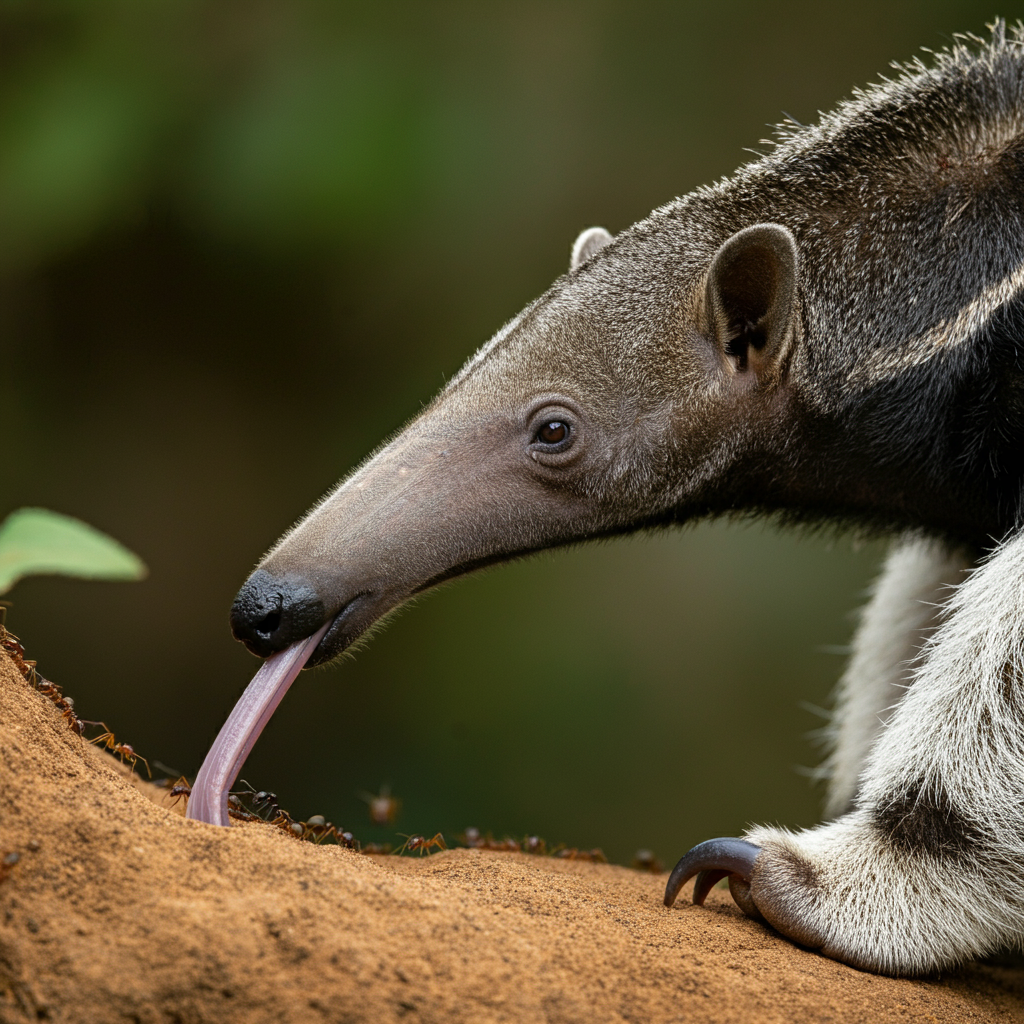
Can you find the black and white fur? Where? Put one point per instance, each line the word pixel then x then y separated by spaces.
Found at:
pixel 924 865
pixel 835 334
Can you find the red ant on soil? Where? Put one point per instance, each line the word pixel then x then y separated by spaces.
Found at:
pixel 237 810
pixel 277 815
pixel 124 750
pixel 530 844
pixel 413 843
pixel 65 705
pixel 180 789
pixel 317 828
pixel 475 841
pixel 69 716
pixel 594 856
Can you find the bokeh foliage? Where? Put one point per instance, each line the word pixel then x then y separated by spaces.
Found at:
pixel 240 242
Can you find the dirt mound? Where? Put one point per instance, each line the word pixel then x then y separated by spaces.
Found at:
pixel 121 910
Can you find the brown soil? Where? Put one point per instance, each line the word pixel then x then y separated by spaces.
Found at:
pixel 128 912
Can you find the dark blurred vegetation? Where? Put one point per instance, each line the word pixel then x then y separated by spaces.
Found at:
pixel 242 241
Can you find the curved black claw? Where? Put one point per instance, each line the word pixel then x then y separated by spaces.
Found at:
pixel 711 862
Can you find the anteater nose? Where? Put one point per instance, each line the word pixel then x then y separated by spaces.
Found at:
pixel 271 612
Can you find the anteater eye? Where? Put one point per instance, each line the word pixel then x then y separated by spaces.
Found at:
pixel 554 432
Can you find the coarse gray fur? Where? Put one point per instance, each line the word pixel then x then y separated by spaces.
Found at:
pixel 829 336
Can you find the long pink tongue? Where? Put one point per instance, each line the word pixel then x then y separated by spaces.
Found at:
pixel 209 799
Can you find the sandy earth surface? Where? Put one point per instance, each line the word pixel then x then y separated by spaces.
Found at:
pixel 120 910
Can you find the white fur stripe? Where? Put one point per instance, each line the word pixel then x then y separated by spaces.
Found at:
pixel 945 335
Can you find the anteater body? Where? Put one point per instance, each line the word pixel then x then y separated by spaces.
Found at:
pixel 834 334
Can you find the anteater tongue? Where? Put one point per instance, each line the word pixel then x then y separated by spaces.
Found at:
pixel 209 799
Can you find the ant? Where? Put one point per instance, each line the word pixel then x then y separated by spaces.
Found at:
pixel 276 815
pixel 261 801
pixel 237 810
pixel 646 861
pixel 286 823
pixel 69 716
pixel 594 856
pixel 66 706
pixel 27 667
pixel 383 806
pixel 124 750
pixel 266 809
pixel 268 800
pixel 318 828
pixel 180 789
pixel 413 843
pixel 475 841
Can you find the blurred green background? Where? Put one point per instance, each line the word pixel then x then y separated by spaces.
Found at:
pixel 242 241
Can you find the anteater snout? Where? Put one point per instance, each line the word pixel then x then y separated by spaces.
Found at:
pixel 271 612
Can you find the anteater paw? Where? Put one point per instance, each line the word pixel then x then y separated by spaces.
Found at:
pixel 848 891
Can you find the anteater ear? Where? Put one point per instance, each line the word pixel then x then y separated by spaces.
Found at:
pixel 751 298
pixel 587 244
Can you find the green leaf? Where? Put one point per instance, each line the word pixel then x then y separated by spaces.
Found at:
pixel 36 541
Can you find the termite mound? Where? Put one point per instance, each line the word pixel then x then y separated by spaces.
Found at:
pixel 118 909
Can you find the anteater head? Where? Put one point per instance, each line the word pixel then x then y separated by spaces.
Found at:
pixel 618 400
